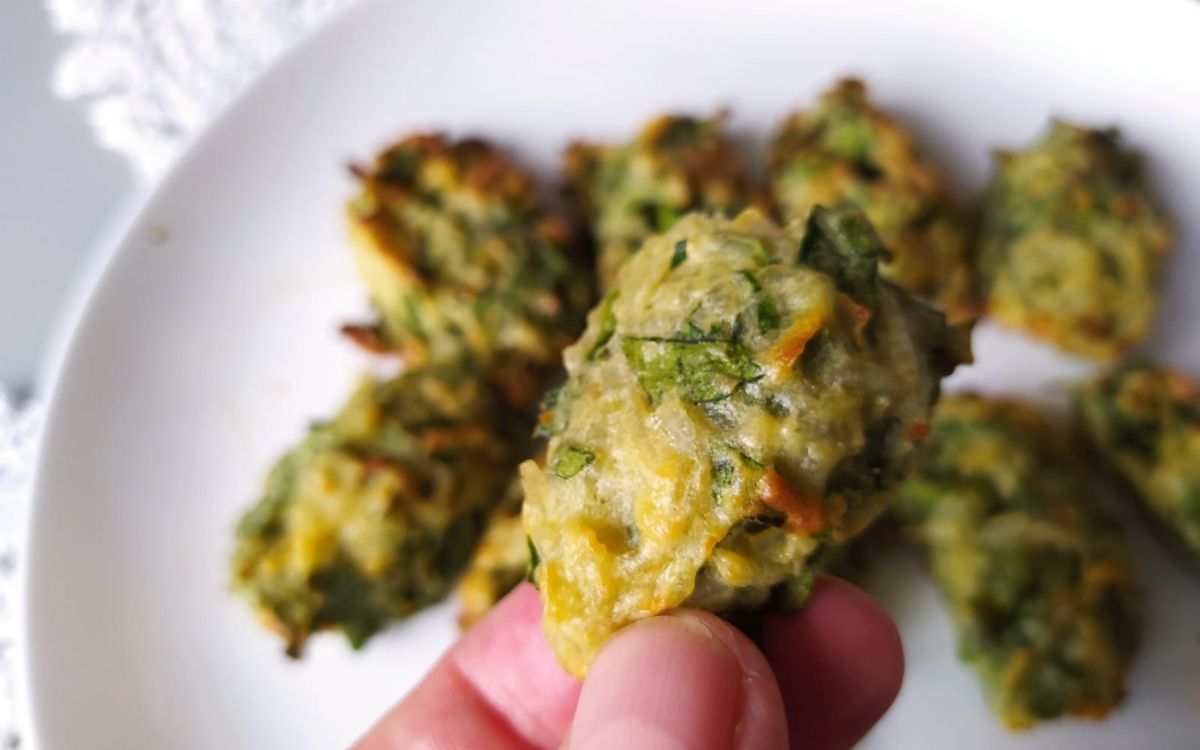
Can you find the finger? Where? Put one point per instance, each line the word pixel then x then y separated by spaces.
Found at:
pixel 683 681
pixel 839 664
pixel 498 687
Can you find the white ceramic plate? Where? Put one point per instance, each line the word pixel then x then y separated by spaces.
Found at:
pixel 210 340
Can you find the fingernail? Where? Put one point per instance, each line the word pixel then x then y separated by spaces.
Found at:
pixel 667 682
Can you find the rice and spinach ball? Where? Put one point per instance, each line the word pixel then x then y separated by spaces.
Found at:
pixel 1072 243
pixel 464 265
pixel 630 191
pixel 744 395
pixel 844 151
pixel 1144 420
pixel 375 513
pixel 1036 577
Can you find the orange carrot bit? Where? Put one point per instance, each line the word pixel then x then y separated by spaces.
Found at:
pixel 438 439
pixel 804 515
pixel 791 344
pixel 859 316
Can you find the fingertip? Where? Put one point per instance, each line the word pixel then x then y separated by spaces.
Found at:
pixel 763 721
pixel 685 680
pixel 499 687
pixel 839 663
pixel 508 660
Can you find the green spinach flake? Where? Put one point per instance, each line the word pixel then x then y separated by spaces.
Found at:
pixel 723 475
pixel 750 462
pixel 765 310
pixel 608 324
pixel 534 560
pixel 569 461
pixel 843 245
pixel 680 254
pixel 691 332
pixel 768 314
pixel 751 279
pixel 702 371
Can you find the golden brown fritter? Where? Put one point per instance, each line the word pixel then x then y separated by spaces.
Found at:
pixel 845 152
pixel 464 265
pixel 744 394
pixel 375 513
pixel 1037 578
pixel 1145 421
pixel 1072 244
pixel 627 192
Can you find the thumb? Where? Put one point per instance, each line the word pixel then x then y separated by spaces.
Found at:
pixel 682 681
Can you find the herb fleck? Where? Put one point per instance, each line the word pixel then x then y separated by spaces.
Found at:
pixel 703 371
pixel 723 475
pixel 608 324
pixel 843 245
pixel 534 561
pixel 569 461
pixel 768 314
pixel 750 462
pixel 751 279
pixel 680 254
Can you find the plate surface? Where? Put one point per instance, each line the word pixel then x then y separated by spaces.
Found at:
pixel 211 339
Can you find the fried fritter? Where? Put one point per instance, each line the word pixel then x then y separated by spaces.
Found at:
pixel 628 192
pixel 744 394
pixel 1036 577
pixel 463 265
pixel 845 152
pixel 1072 243
pixel 375 513
pixel 1145 421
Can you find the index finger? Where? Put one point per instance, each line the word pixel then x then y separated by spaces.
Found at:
pixel 498 687
pixel 839 663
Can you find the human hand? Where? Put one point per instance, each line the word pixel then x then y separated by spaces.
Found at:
pixel 687 680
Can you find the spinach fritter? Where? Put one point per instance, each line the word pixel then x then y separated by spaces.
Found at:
pixel 846 152
pixel 375 513
pixel 744 394
pixel 462 263
pixel 628 192
pixel 1037 579
pixel 1072 243
pixel 1145 421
